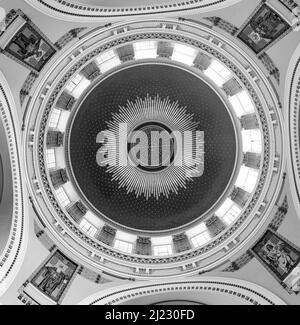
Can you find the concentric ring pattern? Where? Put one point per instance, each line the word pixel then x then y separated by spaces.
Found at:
pixel 215 87
pixel 197 194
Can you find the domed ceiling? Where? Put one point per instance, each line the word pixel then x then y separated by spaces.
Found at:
pixel 149 152
pixel 153 195
pixel 154 147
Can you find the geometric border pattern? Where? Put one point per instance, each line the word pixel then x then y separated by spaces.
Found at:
pixel 246 294
pixel 18 230
pixel 109 12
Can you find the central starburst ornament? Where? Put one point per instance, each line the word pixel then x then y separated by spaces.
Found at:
pixel 152 147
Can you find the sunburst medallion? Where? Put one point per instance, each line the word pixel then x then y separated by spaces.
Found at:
pixel 164 150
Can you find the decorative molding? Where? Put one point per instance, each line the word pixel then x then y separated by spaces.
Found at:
pixel 232 290
pixel 280 215
pixel 91 275
pixel 68 37
pixel 239 262
pixel 270 66
pixel 292 102
pixel 13 254
pixel 27 86
pixel 70 10
pixel 223 24
pixel 58 89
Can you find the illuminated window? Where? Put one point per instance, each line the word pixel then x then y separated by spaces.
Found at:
pixel 232 215
pixel 218 73
pixel 94 220
pixel 221 69
pixel 247 179
pixel 78 85
pixel 228 212
pixel 242 104
pixel 106 56
pixel 162 250
pixel 63 120
pixel 87 227
pixel 50 158
pixel 62 197
pixel 123 246
pixel 200 239
pixel 252 141
pixel 125 236
pixel 81 87
pixel 184 54
pixel 54 118
pixel 145 50
pixel 107 61
pixel 74 82
pixel 196 230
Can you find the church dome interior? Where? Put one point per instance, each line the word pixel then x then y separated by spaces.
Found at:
pixel 149 152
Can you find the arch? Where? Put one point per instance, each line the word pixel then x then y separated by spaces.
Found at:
pixel 13 254
pixel 201 290
pixel 292 121
pixel 84 12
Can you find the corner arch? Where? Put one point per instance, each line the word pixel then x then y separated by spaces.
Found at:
pixel 13 254
pixel 201 290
